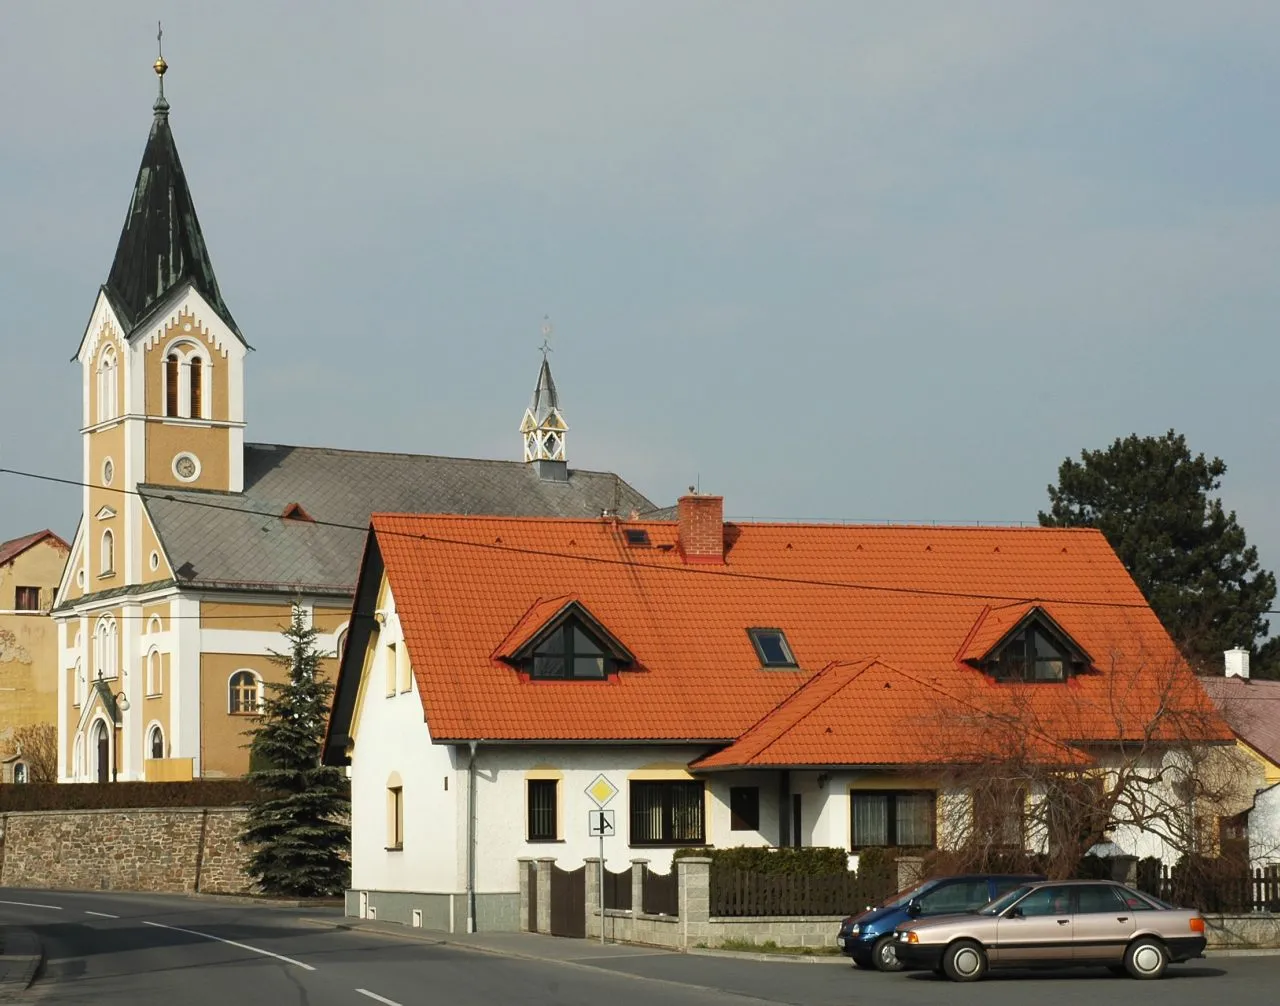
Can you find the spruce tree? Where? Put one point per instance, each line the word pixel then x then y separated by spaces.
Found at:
pixel 297 825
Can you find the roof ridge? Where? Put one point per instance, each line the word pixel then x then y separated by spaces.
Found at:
pixel 505 462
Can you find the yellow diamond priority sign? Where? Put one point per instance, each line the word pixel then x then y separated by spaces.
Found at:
pixel 601 790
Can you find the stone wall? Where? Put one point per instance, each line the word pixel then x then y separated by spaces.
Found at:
pixel 177 850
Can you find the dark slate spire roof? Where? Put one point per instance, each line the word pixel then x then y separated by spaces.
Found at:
pixel 545 400
pixel 161 245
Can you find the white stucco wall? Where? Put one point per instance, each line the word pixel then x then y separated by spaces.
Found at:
pixel 1264 827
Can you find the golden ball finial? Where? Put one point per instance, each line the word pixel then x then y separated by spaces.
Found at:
pixel 160 66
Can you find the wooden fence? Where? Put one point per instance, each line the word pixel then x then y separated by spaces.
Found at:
pixel 660 893
pixel 736 893
pixel 617 890
pixel 1219 890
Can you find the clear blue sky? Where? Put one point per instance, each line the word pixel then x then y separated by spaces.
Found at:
pixel 887 260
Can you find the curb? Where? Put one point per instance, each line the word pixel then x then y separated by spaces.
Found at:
pixel 248 899
pixel 23 955
pixel 747 955
pixel 1243 952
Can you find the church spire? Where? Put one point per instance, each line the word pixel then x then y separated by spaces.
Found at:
pixel 543 427
pixel 161 245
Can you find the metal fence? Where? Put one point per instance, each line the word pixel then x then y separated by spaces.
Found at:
pixel 736 893
pixel 660 893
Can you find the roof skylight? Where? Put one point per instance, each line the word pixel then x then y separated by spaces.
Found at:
pixel 772 647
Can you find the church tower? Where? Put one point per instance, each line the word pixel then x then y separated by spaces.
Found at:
pixel 162 366
pixel 543 428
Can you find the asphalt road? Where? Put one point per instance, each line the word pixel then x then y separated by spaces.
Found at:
pixel 108 949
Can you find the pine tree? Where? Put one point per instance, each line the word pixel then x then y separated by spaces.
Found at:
pixel 297 824
pixel 1154 503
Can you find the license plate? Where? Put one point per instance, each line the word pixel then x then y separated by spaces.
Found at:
pixel 842 941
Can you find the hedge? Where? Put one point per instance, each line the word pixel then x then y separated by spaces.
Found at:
pixel 125 795
pixel 813 861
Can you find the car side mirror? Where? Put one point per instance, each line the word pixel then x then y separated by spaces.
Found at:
pixel 913 907
pixel 1014 913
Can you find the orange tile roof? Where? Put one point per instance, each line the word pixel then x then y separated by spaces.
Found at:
pixel 907 596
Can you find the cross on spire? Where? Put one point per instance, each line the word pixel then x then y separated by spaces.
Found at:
pixel 546 336
pixel 160 66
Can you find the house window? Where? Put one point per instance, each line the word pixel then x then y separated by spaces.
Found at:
pixel 28 599
pixel 569 652
pixel 392 655
pixel 245 693
pixel 1031 656
pixel 542 810
pixel 108 553
pixel 902 819
pixel 196 372
pixel 772 647
pixel 403 671
pixel 155 742
pixel 395 817
pixel 667 813
pixel 19 772
pixel 171 384
pixel 744 808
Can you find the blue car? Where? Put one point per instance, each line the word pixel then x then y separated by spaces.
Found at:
pixel 868 938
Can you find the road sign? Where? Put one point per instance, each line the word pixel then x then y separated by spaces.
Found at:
pixel 600 824
pixel 601 790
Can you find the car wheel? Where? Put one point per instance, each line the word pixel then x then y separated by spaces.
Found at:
pixel 1146 958
pixel 885 956
pixel 964 961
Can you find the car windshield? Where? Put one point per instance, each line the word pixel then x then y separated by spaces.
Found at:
pixel 1004 901
pixel 902 897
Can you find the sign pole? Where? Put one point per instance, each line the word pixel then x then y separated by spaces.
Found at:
pixel 602 882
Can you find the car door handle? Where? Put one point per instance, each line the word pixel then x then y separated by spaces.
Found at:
pixel 1063 922
pixel 1122 918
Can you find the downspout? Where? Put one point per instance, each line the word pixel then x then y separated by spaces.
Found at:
pixel 471 840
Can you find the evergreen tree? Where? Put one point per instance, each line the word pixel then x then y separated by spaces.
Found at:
pixel 1151 499
pixel 297 824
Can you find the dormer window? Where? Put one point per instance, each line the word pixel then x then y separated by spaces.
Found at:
pixel 560 640
pixel 1035 651
pixel 569 652
pixel 772 648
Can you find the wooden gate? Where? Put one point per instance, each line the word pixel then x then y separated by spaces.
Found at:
pixel 569 902
pixel 533 897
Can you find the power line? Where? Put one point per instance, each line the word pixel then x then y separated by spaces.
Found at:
pixel 604 560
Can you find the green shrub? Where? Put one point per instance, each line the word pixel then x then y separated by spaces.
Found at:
pixel 812 861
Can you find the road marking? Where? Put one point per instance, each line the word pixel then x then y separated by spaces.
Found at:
pixel 232 943
pixel 101 915
pixel 381 999
pixel 28 904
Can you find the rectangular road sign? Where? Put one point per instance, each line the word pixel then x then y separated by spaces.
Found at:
pixel 600 824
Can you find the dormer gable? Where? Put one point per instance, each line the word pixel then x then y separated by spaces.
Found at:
pixel 560 639
pixel 1034 649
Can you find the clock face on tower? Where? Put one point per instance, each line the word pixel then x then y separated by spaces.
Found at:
pixel 186 467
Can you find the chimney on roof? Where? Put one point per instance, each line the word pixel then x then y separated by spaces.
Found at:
pixel 1237 663
pixel 701 528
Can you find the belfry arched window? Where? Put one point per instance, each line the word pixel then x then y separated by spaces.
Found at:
pixel 108 407
pixel 187 372
pixel 171 363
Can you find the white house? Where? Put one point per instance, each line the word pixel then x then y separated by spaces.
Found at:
pixel 760 684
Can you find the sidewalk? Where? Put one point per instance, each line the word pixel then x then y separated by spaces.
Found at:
pixel 20 957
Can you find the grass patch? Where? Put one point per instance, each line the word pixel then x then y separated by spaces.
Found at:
pixel 770 947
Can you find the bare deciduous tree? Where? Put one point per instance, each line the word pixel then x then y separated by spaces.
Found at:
pixel 37 745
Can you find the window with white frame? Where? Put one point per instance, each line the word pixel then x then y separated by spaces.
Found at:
pixel 392 667
pixel 108 553
pixel 19 772
pixel 81 682
pixel 902 819
pixel 155 742
pixel 106 657
pixel 187 372
pixel 395 812
pixel 155 666
pixel 244 693
pixel 108 407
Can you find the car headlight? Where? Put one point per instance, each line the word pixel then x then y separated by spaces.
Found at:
pixel 910 936
pixel 855 929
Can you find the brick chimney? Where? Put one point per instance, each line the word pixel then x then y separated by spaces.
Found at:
pixel 1237 659
pixel 701 528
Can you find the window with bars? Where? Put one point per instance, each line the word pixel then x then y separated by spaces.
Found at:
pixel 668 813
pixel 27 599
pixel 904 819
pixel 542 810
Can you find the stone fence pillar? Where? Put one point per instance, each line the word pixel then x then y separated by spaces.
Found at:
pixel 638 866
pixel 695 899
pixel 595 898
pixel 522 866
pixel 545 863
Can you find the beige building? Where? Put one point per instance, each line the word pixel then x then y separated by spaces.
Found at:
pixel 192 543
pixel 30 568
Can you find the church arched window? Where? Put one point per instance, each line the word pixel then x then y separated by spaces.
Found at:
pixel 108 552
pixel 105 647
pixel 107 385
pixel 171 384
pixel 197 388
